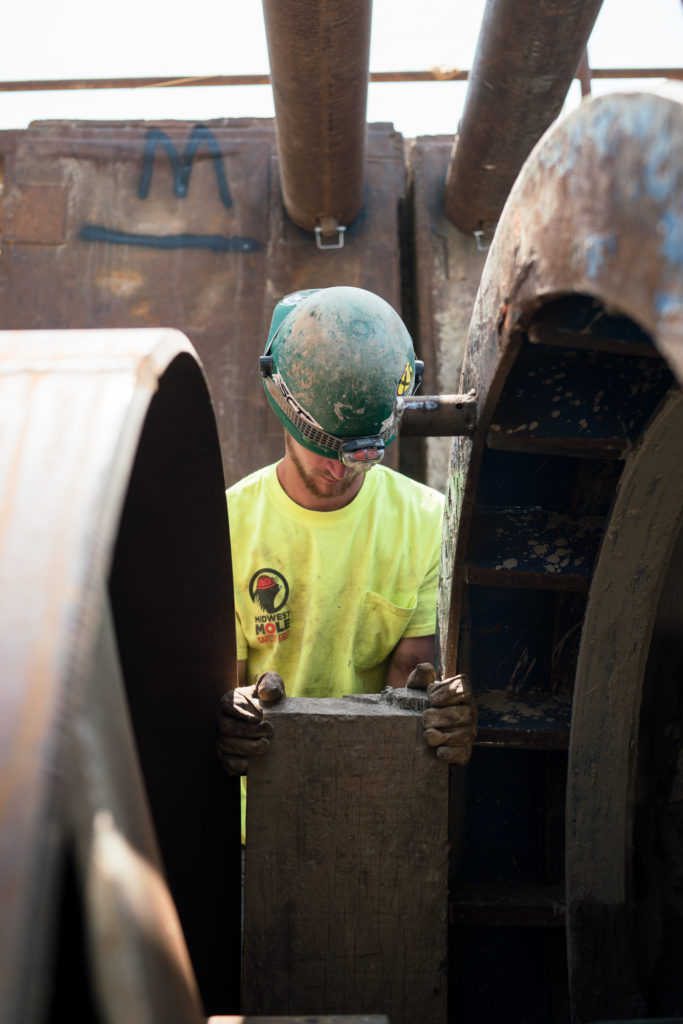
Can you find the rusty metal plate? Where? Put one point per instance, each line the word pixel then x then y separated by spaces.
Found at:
pixel 181 225
pixel 35 213
pixel 448 268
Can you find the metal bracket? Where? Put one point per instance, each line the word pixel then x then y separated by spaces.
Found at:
pixel 478 235
pixel 339 244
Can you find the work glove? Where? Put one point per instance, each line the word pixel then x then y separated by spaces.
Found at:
pixel 242 732
pixel 450 724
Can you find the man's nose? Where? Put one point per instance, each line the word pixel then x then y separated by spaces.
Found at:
pixel 336 468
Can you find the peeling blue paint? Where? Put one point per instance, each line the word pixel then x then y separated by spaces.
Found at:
pixel 668 304
pixel 672 231
pixel 633 117
pixel 559 152
pixel 659 178
pixel 660 169
pixel 606 126
pixel 598 249
pixel 602 134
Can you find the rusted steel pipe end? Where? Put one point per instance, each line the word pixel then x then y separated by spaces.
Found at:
pixel 319 67
pixel 436 415
pixel 524 64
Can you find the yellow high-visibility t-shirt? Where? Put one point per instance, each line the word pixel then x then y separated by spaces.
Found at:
pixel 324 597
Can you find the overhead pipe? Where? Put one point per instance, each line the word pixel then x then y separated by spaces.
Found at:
pixel 526 58
pixel 319 68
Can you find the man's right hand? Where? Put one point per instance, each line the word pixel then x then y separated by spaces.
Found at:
pixel 242 733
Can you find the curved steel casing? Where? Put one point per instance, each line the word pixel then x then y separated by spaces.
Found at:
pixel 117 641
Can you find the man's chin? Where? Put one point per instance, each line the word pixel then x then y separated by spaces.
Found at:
pixel 323 488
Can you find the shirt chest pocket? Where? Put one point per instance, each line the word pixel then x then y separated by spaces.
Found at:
pixel 379 628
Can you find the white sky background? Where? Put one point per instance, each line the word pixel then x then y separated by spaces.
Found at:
pixel 138 38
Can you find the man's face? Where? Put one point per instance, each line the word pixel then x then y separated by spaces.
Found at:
pixel 322 478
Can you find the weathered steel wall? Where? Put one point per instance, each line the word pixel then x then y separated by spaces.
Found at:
pixel 181 225
pixel 448 266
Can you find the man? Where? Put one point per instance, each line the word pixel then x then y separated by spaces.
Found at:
pixel 336 557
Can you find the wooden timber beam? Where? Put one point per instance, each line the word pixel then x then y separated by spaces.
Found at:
pixel 346 880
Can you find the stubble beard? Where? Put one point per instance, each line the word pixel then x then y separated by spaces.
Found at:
pixel 332 490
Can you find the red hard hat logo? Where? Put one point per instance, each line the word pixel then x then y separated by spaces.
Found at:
pixel 265 583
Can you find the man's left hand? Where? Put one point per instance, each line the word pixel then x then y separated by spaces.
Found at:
pixel 451 723
pixel 242 731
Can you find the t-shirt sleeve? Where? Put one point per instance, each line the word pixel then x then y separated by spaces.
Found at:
pixel 242 647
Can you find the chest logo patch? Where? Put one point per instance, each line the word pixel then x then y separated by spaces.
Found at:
pixel 269 592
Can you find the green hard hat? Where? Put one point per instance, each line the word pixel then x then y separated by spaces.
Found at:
pixel 335 362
